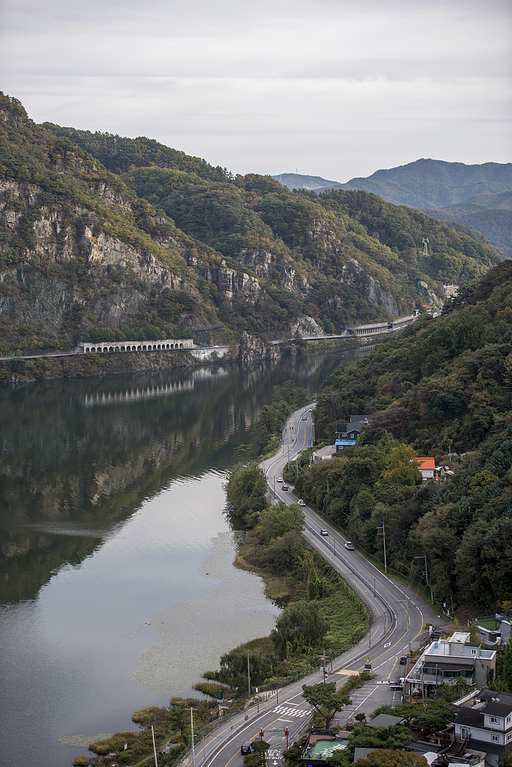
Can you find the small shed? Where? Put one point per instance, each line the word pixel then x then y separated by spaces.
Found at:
pixel 385 720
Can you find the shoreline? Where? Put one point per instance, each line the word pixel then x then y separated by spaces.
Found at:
pixel 57 365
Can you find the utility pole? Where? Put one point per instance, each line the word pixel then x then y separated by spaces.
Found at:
pixel 424 557
pixel 384 544
pixel 154 746
pixel 248 675
pixel 192 736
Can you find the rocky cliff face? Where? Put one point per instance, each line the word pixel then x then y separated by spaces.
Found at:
pixel 230 283
pixel 174 245
pixel 71 264
pixel 115 276
pixel 251 349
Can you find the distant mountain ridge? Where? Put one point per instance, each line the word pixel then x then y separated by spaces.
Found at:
pixel 450 191
pixel 311 183
pixel 434 183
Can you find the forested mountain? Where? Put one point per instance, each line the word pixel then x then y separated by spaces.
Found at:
pixel 477 196
pixel 126 238
pixel 442 389
pixel 490 214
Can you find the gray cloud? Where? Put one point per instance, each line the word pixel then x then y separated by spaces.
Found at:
pixel 327 87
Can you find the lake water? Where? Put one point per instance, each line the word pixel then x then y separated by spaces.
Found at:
pixel 117 583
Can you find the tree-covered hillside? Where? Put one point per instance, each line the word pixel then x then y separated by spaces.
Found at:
pixel 125 238
pixel 476 196
pixel 490 214
pixel 443 389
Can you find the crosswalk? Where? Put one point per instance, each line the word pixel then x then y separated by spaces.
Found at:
pixel 358 697
pixel 290 711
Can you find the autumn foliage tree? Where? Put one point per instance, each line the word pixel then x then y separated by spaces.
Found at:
pixel 401 467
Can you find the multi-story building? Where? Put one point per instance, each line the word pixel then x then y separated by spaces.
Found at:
pixel 483 719
pixel 444 661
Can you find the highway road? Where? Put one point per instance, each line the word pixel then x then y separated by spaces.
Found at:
pixel 398 625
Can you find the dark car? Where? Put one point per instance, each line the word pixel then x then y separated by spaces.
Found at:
pixel 284 487
pixel 246 747
pixel 403 660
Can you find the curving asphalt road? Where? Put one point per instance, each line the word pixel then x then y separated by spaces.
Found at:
pixel 398 625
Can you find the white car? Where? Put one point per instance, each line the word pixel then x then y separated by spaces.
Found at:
pixel 349 545
pixel 279 479
pixel 323 532
pixel 301 502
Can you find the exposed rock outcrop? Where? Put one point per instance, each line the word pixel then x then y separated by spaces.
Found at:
pixel 252 348
pixel 306 327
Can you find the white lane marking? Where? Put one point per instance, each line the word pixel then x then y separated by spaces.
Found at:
pixel 290 711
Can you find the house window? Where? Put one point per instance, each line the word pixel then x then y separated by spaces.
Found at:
pixel 495 738
pixel 465 733
pixel 494 719
pixel 509 718
pixel 473 652
pixel 509 737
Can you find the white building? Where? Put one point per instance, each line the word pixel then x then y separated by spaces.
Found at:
pixel 444 661
pixel 484 720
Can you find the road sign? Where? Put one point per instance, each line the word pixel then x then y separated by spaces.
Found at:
pixel 309 443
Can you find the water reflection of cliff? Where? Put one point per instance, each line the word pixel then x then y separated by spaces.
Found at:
pixel 77 458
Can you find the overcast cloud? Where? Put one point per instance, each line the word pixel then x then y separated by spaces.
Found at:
pixel 326 87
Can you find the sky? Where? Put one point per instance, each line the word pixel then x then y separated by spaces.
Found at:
pixel 320 87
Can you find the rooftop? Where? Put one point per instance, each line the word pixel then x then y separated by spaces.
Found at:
pixel 321 747
pixel 442 648
pixel 385 720
pixel 426 463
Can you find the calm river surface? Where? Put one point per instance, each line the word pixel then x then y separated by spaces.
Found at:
pixel 117 588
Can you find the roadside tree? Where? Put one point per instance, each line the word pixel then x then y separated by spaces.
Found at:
pixel 325 700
